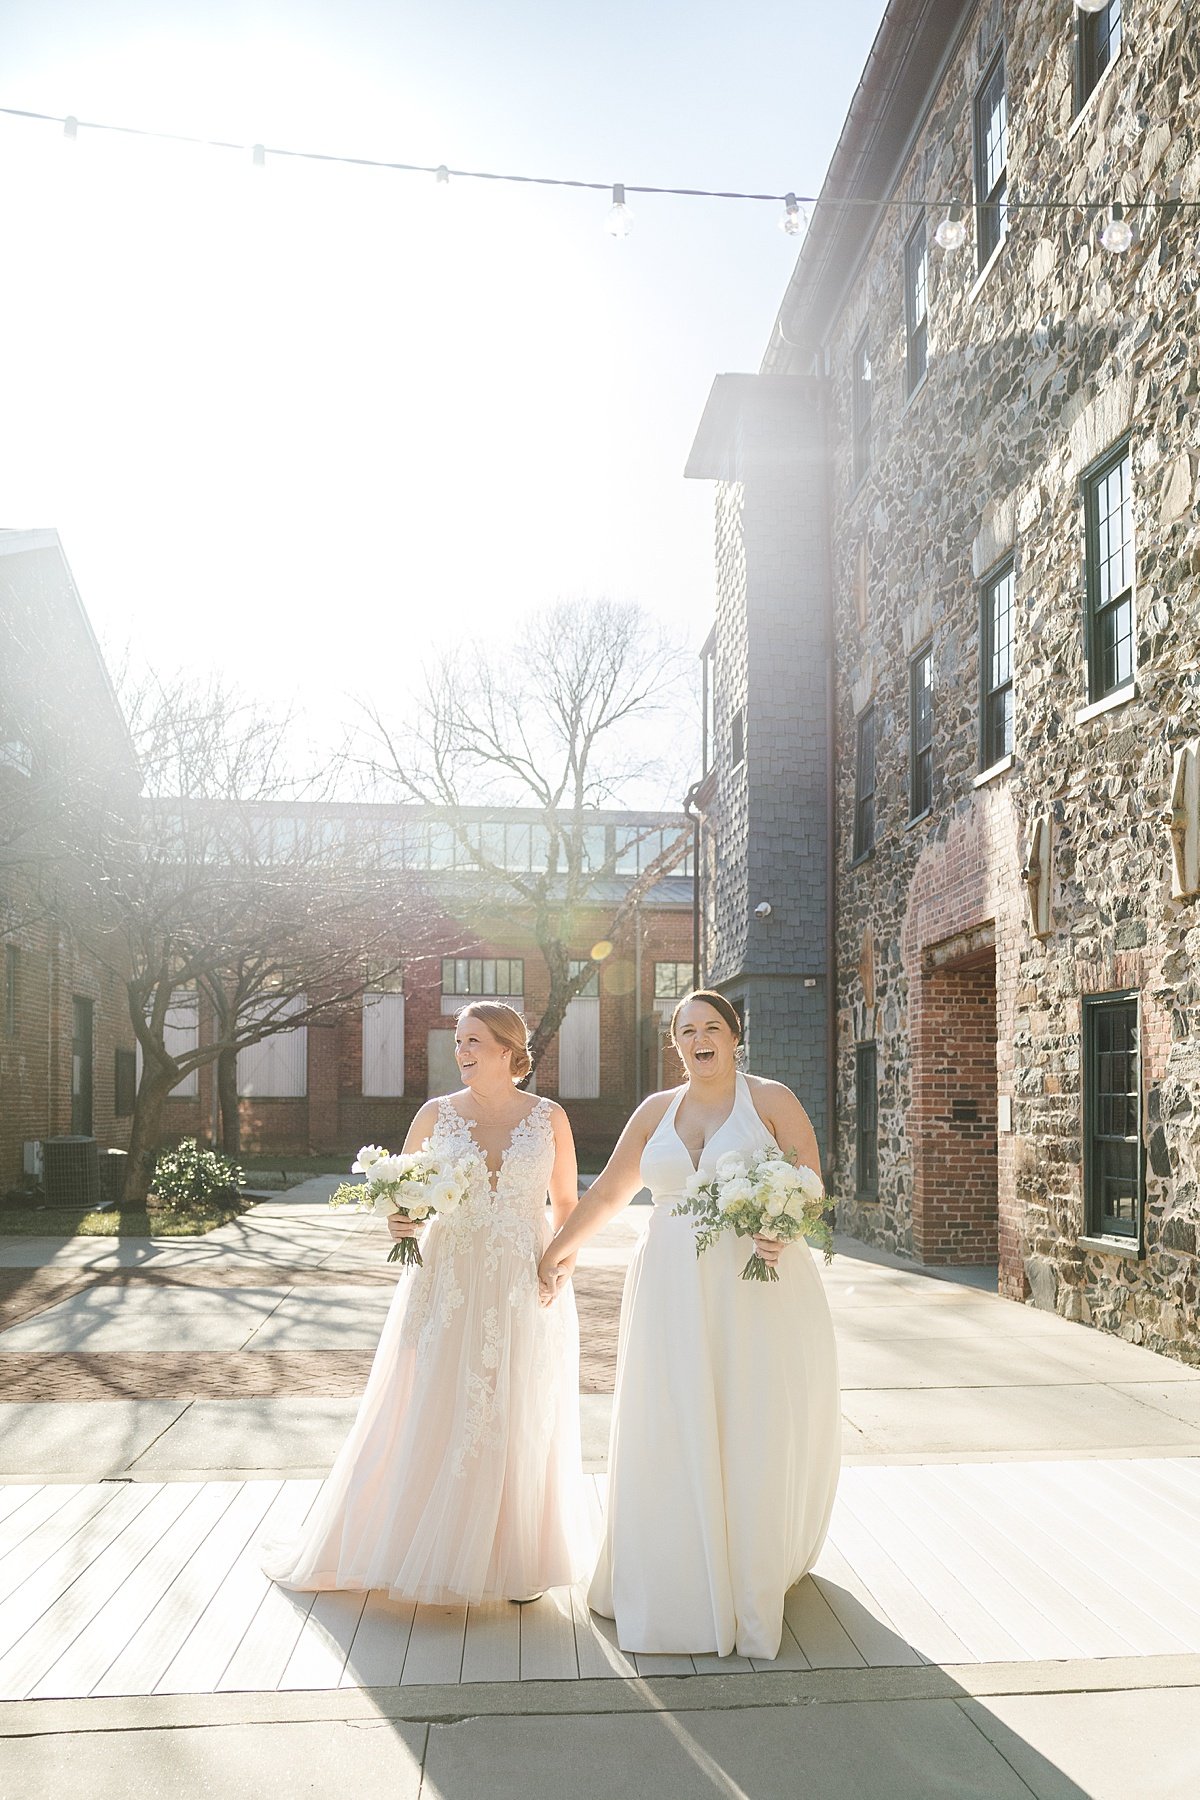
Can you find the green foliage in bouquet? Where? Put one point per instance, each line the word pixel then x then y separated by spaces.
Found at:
pixel 775 1196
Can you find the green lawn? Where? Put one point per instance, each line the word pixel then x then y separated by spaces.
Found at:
pixel 66 1221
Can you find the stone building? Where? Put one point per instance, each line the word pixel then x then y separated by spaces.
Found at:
pixel 1007 488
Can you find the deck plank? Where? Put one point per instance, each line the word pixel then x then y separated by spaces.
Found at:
pixel 492 1649
pixel 380 1644
pixel 14 1497
pixel 324 1642
pixel 915 1618
pixel 650 1664
pixel 820 1638
pixel 435 1647
pixel 548 1638
pixel 52 1534
pixel 597 1651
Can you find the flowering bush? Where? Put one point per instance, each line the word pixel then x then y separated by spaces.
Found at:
pixel 188 1176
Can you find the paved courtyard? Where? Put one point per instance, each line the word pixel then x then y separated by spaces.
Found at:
pixel 1009 1600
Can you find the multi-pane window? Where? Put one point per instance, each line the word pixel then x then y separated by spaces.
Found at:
pixel 672 980
pixel 916 305
pixel 1108 511
pixel 991 160
pixel 1097 43
pixel 996 668
pixel 591 987
pixel 12 957
pixel 737 737
pixel 1112 1115
pixel 860 407
pixel 864 785
pixel 480 976
pixel 920 713
pixel 866 1128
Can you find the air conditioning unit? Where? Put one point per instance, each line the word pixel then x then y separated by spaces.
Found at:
pixel 72 1175
pixel 31 1158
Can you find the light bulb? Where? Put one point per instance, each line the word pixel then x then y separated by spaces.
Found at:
pixel 792 220
pixel 951 234
pixel 1092 6
pixel 71 127
pixel 619 222
pixel 441 174
pixel 1117 235
pixel 259 155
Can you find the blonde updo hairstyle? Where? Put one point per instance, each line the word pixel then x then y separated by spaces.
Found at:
pixel 507 1027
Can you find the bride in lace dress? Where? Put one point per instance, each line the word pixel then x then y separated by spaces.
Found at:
pixel 725 1447
pixel 461 1477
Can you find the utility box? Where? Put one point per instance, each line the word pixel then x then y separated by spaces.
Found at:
pixel 71 1172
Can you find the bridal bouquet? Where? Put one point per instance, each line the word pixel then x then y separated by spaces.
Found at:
pixel 771 1197
pixel 416 1185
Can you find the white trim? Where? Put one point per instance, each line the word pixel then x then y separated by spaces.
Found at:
pixel 1119 697
pixel 1112 1246
pixel 989 265
pixel 997 768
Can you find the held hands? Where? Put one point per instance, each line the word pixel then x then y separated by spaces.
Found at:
pixel 553 1270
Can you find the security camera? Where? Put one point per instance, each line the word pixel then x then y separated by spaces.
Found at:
pixel 763 910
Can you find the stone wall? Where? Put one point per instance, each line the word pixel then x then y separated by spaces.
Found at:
pixel 1036 368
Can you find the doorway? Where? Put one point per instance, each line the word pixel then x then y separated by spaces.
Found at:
pixel 955 1175
pixel 81 1069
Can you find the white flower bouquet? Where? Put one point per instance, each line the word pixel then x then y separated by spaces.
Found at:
pixel 417 1185
pixel 773 1197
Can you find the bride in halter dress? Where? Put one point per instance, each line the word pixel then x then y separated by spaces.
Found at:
pixel 725 1447
pixel 461 1478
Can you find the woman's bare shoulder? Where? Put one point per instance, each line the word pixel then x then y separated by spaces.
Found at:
pixel 653 1108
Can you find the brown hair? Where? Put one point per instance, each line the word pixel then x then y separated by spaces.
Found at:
pixel 507 1027
pixel 719 1004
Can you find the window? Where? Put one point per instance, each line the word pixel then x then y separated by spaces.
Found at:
pixel 593 840
pixel 1098 38
pixel 276 1068
pixel 995 668
pixel 991 160
pixel 1108 525
pixel 579 1040
pixel 860 407
pixel 737 738
pixel 864 786
pixel 866 1136
pixel 383 1045
pixel 124 1082
pixel 12 957
pixel 672 980
pixel 916 306
pixel 181 1035
pixel 1112 1123
pixel 480 976
pixel 920 714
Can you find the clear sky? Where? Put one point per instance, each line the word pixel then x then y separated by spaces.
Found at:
pixel 305 424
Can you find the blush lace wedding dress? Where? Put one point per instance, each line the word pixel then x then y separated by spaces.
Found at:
pixel 726 1444
pixel 461 1478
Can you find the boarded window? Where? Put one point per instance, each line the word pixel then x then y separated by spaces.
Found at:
pixel 276 1068
pixel 579 1043
pixel 181 1034
pixel 383 1045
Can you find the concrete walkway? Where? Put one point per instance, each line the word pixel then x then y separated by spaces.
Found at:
pixel 1009 1602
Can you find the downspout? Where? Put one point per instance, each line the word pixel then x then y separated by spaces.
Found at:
pixel 693 813
pixel 639 1050
pixel 831 975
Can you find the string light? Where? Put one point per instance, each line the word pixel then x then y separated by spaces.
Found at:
pixel 951 233
pixel 1092 6
pixel 794 218
pixel 619 222
pixel 1116 235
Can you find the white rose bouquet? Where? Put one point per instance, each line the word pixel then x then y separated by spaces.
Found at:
pixel 773 1197
pixel 417 1185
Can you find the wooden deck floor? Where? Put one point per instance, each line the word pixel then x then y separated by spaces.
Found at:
pixel 143 1588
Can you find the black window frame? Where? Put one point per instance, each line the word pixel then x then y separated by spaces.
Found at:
pixel 124 1082
pixel 861 407
pixel 677 964
pixel 991 211
pixel 1100 1221
pixel 470 992
pixel 1095 51
pixel 863 840
pixel 916 307
pixel 1111 623
pixel 920 743
pixel 995 688
pixel 866 1121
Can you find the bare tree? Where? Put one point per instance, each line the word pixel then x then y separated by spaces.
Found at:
pixel 552 724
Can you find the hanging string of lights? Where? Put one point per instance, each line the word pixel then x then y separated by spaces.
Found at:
pixel 1116 235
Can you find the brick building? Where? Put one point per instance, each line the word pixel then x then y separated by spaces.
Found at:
pixel 960 498
pixel 359 1075
pixel 66 1044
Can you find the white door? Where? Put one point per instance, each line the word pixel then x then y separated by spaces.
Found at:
pixel 579 1050
pixel 444 1077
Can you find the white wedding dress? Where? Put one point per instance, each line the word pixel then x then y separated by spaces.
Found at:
pixel 461 1478
pixel 726 1442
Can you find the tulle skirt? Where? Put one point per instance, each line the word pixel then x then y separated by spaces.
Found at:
pixel 461 1479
